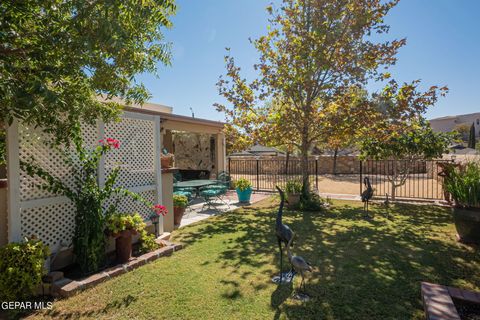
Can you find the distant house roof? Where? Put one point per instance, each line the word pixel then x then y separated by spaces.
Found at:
pixel 241 154
pixel 262 149
pixel 258 150
pixel 468 151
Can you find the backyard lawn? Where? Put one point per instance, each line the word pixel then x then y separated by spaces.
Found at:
pixel 363 269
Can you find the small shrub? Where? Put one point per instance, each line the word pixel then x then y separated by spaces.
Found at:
pixel 311 202
pixel 21 269
pixel 147 242
pixel 294 187
pixel 243 184
pixel 180 201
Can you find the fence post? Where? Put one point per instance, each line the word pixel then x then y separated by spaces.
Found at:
pixel 258 176
pixel 316 173
pixel 229 166
pixel 361 178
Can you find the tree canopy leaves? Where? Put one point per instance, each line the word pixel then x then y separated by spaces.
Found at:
pixel 315 61
pixel 57 57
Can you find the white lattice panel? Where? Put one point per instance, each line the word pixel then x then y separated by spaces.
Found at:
pixel 127 205
pixel 51 223
pixel 136 153
pixel 37 145
pixel 50 217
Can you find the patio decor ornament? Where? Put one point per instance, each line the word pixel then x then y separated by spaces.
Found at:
pixel 284 235
pixel 366 195
pixel 386 203
pixel 299 265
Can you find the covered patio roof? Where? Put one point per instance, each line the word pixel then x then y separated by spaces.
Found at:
pixel 180 123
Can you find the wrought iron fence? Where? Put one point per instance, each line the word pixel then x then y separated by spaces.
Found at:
pixel 265 174
pixel 405 179
pixel 423 181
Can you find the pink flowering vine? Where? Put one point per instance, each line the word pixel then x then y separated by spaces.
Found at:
pixel 113 143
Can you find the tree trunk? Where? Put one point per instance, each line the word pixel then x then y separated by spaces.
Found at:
pixel 394 178
pixel 335 154
pixel 304 167
pixel 286 163
pixel 394 186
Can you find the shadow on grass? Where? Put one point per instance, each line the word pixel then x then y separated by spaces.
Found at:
pixel 117 304
pixel 364 269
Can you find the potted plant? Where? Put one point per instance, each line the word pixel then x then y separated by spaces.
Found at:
pixel 463 184
pixel 294 190
pixel 166 159
pixel 180 202
pixel 122 226
pixel 244 189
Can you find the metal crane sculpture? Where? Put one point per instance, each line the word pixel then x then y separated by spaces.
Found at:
pixel 386 203
pixel 283 232
pixel 299 264
pixel 366 195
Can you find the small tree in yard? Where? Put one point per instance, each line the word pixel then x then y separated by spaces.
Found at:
pixel 315 55
pixel 416 141
pixel 471 138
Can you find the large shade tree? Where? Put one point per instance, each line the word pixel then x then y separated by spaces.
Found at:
pixel 57 57
pixel 314 54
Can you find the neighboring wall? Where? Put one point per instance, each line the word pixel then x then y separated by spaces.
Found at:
pixel 194 151
pixel 345 165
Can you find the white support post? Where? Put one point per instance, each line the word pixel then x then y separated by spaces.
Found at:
pixel 13 174
pixel 101 163
pixel 221 157
pixel 158 168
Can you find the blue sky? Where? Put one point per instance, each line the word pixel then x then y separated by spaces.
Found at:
pixel 443 48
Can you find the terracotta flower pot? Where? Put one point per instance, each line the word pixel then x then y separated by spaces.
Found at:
pixel 166 161
pixel 293 199
pixel 177 215
pixel 123 245
pixel 467 223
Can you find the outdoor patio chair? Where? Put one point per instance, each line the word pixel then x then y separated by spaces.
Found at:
pixel 212 193
pixel 225 179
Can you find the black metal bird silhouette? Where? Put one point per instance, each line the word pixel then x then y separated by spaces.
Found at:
pixel 366 195
pixel 283 232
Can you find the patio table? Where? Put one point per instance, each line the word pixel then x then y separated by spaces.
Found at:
pixel 197 184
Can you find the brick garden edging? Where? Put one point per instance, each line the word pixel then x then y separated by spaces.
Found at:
pixel 66 287
pixel 438 303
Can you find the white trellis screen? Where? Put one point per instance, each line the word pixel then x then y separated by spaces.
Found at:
pixel 50 217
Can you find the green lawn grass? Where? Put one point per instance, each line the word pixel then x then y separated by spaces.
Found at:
pixel 363 269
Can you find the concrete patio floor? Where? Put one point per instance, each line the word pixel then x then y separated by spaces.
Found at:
pixel 197 212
